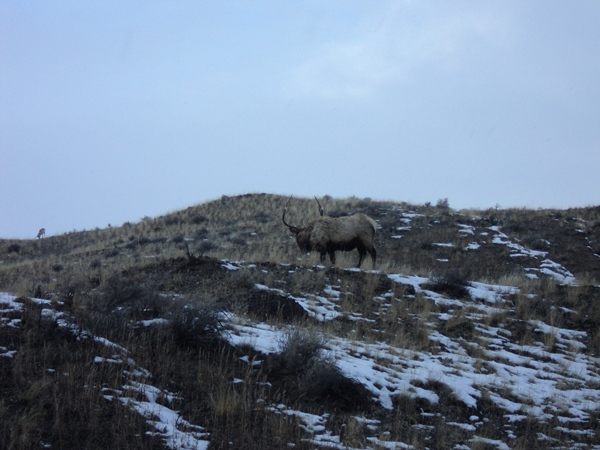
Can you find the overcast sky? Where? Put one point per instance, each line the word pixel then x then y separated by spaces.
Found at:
pixel 111 111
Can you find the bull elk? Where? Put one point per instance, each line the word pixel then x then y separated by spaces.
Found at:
pixel 41 233
pixel 328 234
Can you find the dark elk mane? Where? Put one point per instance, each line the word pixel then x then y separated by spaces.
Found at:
pixel 327 235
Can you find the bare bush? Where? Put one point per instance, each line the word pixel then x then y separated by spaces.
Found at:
pixel 198 219
pixel 310 375
pixel 324 383
pixel 204 247
pixel 299 349
pixel 119 303
pixel 196 325
pixel 453 283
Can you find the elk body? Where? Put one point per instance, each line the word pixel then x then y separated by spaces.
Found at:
pixel 41 233
pixel 327 235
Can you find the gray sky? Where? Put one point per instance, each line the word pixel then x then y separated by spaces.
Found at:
pixel 111 111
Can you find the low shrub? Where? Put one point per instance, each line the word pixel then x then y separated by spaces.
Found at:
pixel 198 219
pixel 299 350
pixel 201 233
pixel 237 240
pixel 204 247
pixel 453 283
pixel 196 325
pixel 118 304
pixel 324 383
pixel 310 376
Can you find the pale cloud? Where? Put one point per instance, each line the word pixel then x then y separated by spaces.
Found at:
pixel 393 45
pixel 342 69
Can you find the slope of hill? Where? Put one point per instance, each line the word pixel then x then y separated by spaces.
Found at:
pixel 207 328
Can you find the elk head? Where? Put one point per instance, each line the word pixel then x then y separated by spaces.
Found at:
pixel 302 234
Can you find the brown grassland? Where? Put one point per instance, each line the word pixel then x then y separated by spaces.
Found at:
pixel 106 282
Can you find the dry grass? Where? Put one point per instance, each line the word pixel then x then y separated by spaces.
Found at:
pixel 52 392
pixel 109 280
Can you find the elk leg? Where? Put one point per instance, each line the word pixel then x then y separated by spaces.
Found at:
pixel 323 257
pixel 373 254
pixel 361 255
pixel 332 256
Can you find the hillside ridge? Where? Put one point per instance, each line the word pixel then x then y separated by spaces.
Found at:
pixel 208 328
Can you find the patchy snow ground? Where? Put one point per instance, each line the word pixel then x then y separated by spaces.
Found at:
pixel 523 380
pixel 546 267
pixel 176 432
pixel 561 384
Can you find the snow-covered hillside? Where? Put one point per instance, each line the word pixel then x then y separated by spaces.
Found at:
pixel 547 377
pixel 559 385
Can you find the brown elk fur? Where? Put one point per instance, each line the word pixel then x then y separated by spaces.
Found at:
pixel 327 235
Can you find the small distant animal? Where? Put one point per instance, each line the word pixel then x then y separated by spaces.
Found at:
pixel 327 235
pixel 41 233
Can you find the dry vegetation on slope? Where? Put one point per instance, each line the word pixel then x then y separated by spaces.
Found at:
pixel 210 316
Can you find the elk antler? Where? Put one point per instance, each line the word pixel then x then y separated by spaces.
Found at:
pixel 292 228
pixel 320 207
